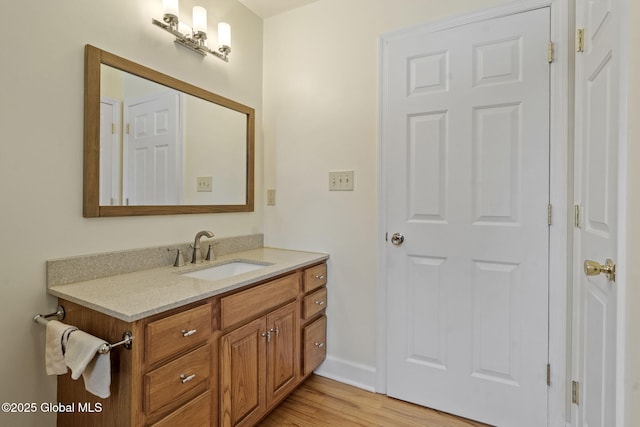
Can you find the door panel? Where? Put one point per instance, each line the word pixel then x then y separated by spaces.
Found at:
pixel 466 149
pixel 242 374
pixel 283 352
pixel 152 158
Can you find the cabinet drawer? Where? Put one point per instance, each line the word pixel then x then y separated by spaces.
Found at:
pixel 178 332
pixel 177 381
pixel 315 277
pixel 314 303
pixel 243 306
pixel 196 413
pixel 315 348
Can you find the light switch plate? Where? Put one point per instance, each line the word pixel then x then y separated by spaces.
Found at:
pixel 341 181
pixel 271 197
pixel 205 184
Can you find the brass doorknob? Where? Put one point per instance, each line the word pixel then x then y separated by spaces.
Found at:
pixel 593 268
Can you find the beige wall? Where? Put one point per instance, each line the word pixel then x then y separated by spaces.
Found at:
pixel 41 113
pixel 321 113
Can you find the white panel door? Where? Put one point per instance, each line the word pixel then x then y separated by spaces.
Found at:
pixel 596 160
pixel 152 161
pixel 466 149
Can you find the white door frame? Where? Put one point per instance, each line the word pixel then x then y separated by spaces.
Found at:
pixel 560 171
pixel 116 154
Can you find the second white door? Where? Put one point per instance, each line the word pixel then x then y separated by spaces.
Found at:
pixel 152 156
pixel 466 155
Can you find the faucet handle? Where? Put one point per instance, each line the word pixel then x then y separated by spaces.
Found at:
pixel 210 255
pixel 179 262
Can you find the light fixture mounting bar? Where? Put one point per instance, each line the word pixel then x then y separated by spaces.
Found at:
pixel 191 43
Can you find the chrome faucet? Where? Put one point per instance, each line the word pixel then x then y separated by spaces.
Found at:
pixel 197 255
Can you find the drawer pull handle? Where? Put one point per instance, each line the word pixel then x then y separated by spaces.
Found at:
pixel 319 276
pixel 275 330
pixel 320 302
pixel 266 335
pixel 186 333
pixel 319 344
pixel 186 378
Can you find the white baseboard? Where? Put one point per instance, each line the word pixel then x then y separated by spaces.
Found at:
pixel 355 374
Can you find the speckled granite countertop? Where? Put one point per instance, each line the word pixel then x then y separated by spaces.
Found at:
pixel 140 294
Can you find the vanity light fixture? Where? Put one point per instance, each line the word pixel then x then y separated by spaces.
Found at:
pixel 194 37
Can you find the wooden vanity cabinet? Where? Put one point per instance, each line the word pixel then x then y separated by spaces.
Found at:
pixel 226 360
pixel 259 361
pixel 314 319
pixel 169 373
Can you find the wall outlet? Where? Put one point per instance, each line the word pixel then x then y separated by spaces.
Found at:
pixel 205 184
pixel 341 181
pixel 271 197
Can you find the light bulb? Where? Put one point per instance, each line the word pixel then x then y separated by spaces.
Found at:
pixel 170 7
pixel 199 19
pixel 224 34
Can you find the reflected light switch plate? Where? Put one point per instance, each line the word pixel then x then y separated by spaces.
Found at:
pixel 205 184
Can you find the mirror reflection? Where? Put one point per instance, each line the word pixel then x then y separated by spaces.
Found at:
pixel 159 146
pixel 155 145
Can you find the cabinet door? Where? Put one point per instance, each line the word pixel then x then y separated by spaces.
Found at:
pixel 283 345
pixel 243 374
pixel 315 349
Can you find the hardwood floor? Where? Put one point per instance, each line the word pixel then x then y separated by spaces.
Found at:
pixel 323 402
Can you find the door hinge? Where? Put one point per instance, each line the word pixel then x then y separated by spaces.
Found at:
pixel 577 216
pixel 386 236
pixel 549 374
pixel 128 129
pixel 580 40
pixel 549 214
pixel 550 52
pixel 113 128
pixel 575 392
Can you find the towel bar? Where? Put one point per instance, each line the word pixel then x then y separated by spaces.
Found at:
pixel 59 313
pixel 105 348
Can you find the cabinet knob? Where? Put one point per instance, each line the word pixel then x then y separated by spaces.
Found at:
pixel 319 344
pixel 320 302
pixel 266 335
pixel 186 378
pixel 319 276
pixel 186 333
pixel 275 330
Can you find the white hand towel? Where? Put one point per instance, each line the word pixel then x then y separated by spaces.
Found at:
pixel 97 376
pixel 57 335
pixel 83 359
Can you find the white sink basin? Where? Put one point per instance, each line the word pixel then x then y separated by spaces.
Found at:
pixel 224 270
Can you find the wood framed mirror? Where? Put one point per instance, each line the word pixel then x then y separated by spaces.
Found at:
pixel 155 145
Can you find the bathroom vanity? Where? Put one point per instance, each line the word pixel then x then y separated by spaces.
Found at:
pixel 205 352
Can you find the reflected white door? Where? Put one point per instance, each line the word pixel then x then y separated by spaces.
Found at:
pixel 152 160
pixel 596 160
pixel 109 152
pixel 466 154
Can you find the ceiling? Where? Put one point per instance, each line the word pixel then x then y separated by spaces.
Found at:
pixel 267 8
